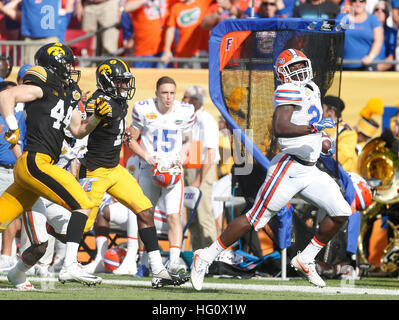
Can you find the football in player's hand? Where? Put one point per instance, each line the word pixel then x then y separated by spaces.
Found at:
pixel 325 142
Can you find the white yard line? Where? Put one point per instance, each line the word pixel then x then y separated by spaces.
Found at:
pixel 346 288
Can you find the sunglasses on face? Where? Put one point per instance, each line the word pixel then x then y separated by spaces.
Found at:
pixel 268 4
pixel 361 1
pixel 380 9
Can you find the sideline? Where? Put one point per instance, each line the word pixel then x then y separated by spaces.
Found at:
pixel 346 288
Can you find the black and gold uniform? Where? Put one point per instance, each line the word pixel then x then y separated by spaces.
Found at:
pixel 105 141
pixel 101 161
pixel 36 173
pixel 47 118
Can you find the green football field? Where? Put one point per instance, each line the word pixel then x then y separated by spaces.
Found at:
pixel 129 288
pixel 219 298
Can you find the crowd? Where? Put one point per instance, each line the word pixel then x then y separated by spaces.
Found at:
pixel 160 30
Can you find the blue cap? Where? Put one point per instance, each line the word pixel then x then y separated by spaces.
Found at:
pixel 23 70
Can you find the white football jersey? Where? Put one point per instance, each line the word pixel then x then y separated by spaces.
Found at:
pixel 162 134
pixel 308 110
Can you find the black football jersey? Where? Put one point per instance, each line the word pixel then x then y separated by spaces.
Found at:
pixel 105 141
pixel 46 118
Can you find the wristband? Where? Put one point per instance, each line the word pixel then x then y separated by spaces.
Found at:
pixel 12 122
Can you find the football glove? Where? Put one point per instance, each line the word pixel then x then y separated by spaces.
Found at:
pixel 12 137
pixel 322 124
pixel 101 108
pixel 330 151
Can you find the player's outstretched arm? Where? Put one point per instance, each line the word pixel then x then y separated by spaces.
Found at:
pixel 8 100
pixel 99 109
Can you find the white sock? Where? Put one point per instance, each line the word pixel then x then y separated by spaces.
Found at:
pixel 22 266
pixel 132 247
pixel 71 253
pixel 155 260
pixel 214 250
pixel 311 250
pixel 174 254
pixel 59 250
pixel 132 237
pixel 102 247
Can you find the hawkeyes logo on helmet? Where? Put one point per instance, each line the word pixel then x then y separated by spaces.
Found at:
pixel 105 69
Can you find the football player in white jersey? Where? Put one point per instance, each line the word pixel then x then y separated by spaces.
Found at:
pixel 297 123
pixel 164 125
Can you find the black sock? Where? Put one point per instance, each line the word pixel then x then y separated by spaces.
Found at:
pixel 76 226
pixel 149 238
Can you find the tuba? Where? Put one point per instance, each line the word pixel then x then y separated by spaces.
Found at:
pixel 376 161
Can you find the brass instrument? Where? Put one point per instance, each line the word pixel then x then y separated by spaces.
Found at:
pixel 376 161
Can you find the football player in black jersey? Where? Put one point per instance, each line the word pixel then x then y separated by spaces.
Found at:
pixel 51 95
pixel 116 85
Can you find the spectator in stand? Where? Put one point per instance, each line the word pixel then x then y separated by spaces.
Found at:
pixel 364 36
pixel 67 9
pixel 102 14
pixel 312 9
pixel 126 26
pixel 221 10
pixel 5 67
pixel 39 21
pixel 395 12
pixel 12 19
pixel 286 10
pixel 381 11
pixel 192 41
pixel 268 8
pixel 148 18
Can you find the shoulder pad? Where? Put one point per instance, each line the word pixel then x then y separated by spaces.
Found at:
pixel 35 74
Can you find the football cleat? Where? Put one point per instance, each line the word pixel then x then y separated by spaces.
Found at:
pixel 198 269
pixel 75 273
pixel 307 269
pixel 18 279
pixel 165 278
pixel 175 268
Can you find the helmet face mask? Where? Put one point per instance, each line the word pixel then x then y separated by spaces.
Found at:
pixel 115 79
pixel 292 66
pixel 60 59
